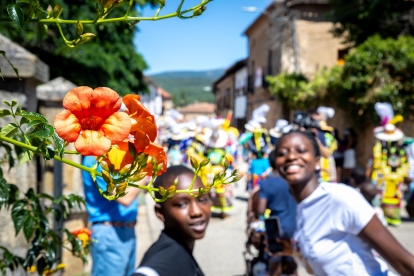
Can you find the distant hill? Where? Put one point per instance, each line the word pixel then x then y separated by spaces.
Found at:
pixel 188 86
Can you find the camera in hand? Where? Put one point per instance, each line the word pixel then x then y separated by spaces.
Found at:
pixel 305 120
pixel 273 232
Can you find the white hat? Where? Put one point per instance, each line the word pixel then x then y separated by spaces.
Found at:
pixel 277 131
pixel 387 131
pixel 326 112
pixel 258 118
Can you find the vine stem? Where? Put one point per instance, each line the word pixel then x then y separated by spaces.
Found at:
pixel 63 160
pixel 118 19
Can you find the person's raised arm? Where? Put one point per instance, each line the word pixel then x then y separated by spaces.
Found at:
pixel 388 247
pixel 262 205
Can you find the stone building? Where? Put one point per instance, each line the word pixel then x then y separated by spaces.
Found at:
pixel 292 36
pixel 228 92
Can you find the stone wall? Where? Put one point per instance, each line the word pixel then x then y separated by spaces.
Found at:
pixel 225 96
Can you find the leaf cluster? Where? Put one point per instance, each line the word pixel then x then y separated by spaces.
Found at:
pixel 360 19
pixel 110 59
pixel 29 213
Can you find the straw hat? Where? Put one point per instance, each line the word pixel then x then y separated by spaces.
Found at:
pixel 388 131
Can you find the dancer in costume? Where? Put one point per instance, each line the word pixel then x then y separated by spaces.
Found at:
pixel 215 139
pixel 258 146
pixel 389 166
pixel 328 141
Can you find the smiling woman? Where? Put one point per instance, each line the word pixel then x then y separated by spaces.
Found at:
pixel 336 227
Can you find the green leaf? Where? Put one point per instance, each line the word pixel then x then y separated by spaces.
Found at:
pixel 41 31
pixel 7 103
pixel 16 15
pixel 24 120
pixel 34 116
pixel 32 124
pixel 44 133
pixel 19 219
pixel 50 153
pixel 59 143
pixel 41 265
pixel 28 227
pixel 8 130
pixel 9 154
pixel 18 110
pixel 4 113
pixel 27 156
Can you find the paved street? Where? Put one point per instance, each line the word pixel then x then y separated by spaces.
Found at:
pixel 220 253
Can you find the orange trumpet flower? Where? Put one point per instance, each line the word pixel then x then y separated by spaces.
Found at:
pixel 157 152
pixel 143 126
pixel 91 120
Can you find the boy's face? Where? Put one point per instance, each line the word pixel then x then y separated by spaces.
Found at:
pixel 186 214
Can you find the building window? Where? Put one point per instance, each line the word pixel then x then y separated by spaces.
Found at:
pixel 269 63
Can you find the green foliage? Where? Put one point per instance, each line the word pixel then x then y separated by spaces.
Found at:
pixel 193 83
pixel 29 214
pixel 296 91
pixel 109 59
pixel 379 70
pixel 362 19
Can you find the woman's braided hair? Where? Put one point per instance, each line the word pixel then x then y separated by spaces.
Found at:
pixel 307 134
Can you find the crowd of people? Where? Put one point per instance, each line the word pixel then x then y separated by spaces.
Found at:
pixel 294 181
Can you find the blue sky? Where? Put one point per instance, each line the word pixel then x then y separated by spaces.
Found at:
pixel 213 40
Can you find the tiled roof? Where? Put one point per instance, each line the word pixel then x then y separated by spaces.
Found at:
pixel 204 108
pixel 164 94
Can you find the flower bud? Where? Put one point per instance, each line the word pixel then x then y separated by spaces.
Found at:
pixel 105 166
pixel 140 157
pixel 85 38
pixel 117 3
pixel 199 11
pixel 160 167
pixel 236 178
pixel 204 162
pixel 154 162
pixel 144 161
pixel 49 11
pixel 110 187
pixel 79 28
pixel 56 11
pixel 194 163
pixel 171 191
pixel 125 169
pixel 106 177
pixel 107 3
pixel 162 190
pixel 138 177
pixel 226 164
pixel 176 181
pixel 120 189
pixel 162 3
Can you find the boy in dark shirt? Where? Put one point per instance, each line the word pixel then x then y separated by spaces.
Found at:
pixel 185 221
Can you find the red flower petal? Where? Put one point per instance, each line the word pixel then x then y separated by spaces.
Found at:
pixel 116 128
pixel 67 126
pixel 146 125
pixel 141 140
pixel 85 102
pixel 157 152
pixel 92 143
pixel 135 107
